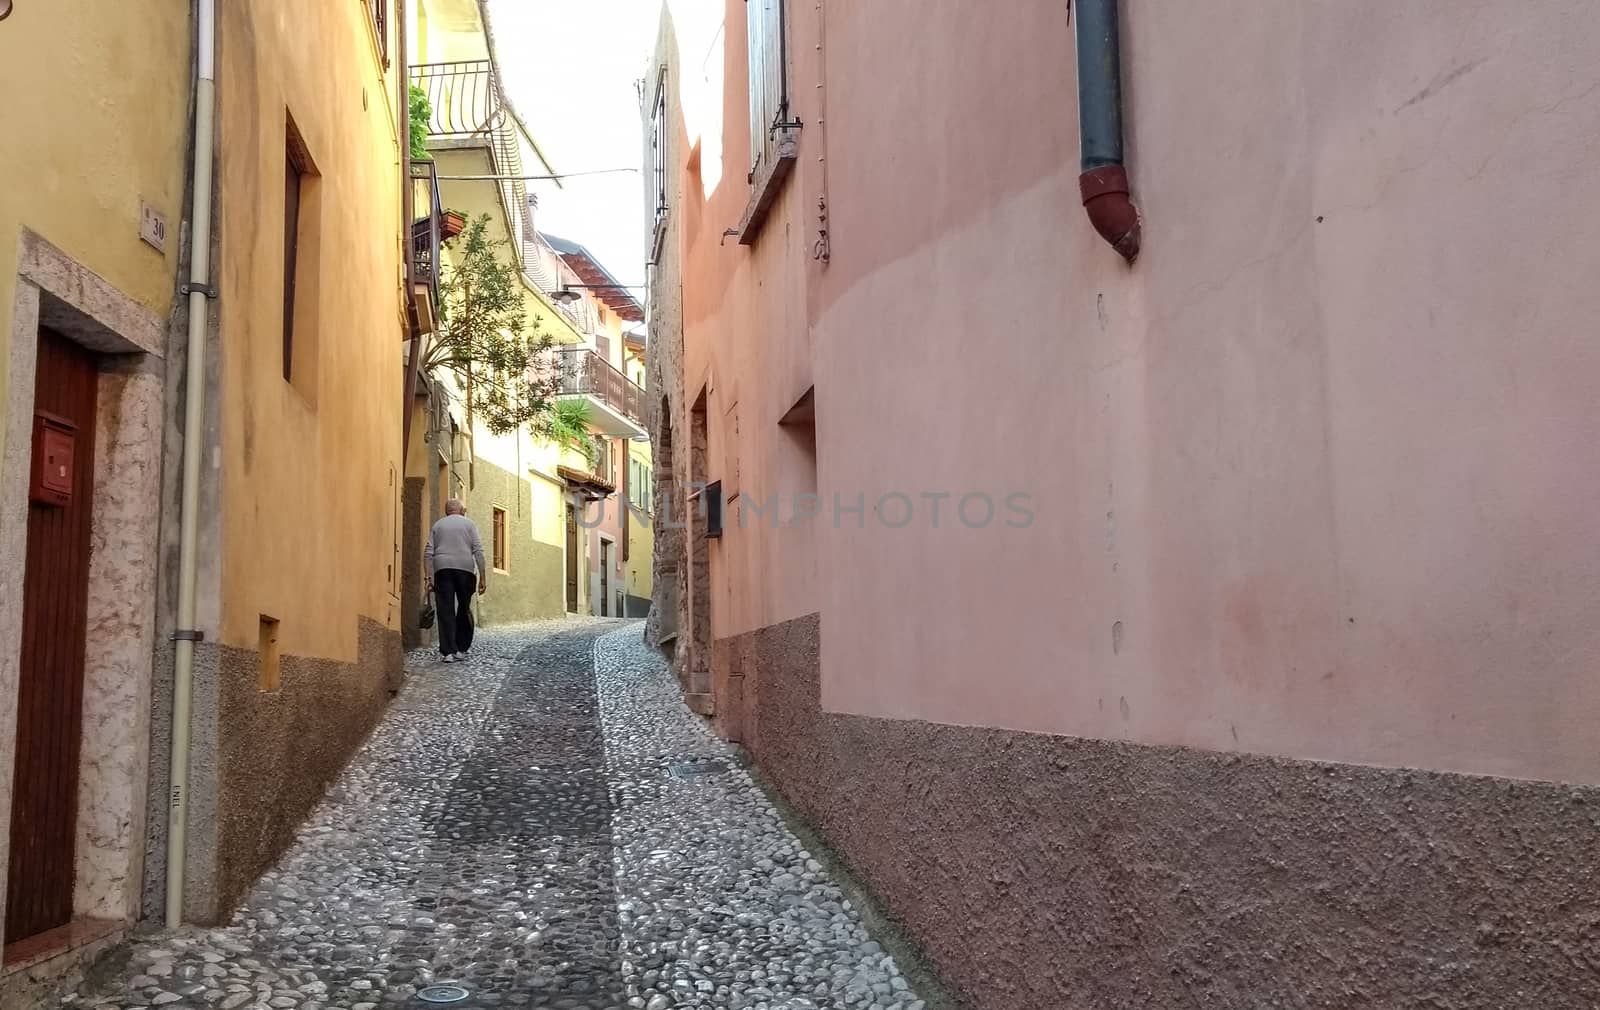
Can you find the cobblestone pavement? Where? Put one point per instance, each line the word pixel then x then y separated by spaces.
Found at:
pixel 545 826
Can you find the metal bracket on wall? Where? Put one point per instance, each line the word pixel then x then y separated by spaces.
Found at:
pixel 209 290
pixel 187 636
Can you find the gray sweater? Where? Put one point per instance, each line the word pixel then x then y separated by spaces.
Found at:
pixel 454 544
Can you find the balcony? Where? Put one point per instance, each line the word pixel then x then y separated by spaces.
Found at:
pixel 427 233
pixel 616 404
pixel 469 112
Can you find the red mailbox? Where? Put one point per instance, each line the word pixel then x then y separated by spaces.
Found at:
pixel 55 442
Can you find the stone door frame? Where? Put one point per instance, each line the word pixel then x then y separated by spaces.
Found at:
pixel 55 290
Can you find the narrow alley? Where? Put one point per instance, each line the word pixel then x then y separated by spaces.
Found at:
pixel 545 826
pixel 1055 505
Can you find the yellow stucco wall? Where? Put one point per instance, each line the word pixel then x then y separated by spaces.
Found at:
pixel 542 460
pixel 635 370
pixel 96 120
pixel 446 31
pixel 311 469
pixel 641 534
pixel 535 461
pixel 475 199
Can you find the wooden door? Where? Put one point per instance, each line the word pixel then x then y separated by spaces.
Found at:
pixel 572 560
pixel 55 590
pixel 605 578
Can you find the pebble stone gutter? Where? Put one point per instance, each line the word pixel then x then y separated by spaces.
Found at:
pixel 547 826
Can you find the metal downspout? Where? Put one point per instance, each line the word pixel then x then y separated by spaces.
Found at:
pixel 199 292
pixel 1104 179
pixel 408 401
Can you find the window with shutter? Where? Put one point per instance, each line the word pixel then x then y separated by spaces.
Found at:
pixel 766 33
pixel 773 125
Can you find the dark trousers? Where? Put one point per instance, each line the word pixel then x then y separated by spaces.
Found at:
pixel 452 592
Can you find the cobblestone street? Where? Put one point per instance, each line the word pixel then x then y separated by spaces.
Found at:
pixel 544 826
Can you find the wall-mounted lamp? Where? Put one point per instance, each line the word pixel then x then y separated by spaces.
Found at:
pixel 5 9
pixel 569 292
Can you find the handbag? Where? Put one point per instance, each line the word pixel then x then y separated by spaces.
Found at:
pixel 426 617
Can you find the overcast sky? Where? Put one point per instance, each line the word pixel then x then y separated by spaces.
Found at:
pixel 571 67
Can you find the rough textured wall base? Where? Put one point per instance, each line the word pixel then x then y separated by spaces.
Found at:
pixel 1054 871
pixel 412 635
pixel 280 750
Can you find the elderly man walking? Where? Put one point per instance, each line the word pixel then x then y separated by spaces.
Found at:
pixel 453 561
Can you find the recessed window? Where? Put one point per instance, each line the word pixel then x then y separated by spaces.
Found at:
pixel 502 561
pixel 270 674
pixel 713 503
pixel 301 262
pixel 380 21
pixel 658 158
pixel 797 458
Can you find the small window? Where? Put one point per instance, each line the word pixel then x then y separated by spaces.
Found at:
pixel 301 262
pixel 730 450
pixel 658 160
pixel 270 676
pixel 658 146
pixel 501 561
pixel 294 179
pixel 380 21
pixel 713 500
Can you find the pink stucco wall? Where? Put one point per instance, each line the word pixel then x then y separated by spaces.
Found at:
pixel 1317 477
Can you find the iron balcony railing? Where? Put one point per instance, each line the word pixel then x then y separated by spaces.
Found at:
pixel 585 373
pixel 467 107
pixel 426 226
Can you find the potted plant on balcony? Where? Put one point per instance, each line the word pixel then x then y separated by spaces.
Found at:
pixel 451 224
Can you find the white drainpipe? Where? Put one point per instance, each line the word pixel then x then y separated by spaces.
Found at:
pixel 199 291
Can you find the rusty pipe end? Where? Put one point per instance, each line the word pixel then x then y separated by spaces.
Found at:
pixel 1110 209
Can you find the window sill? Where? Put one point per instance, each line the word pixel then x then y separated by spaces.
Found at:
pixel 765 189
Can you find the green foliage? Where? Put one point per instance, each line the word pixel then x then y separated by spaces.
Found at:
pixel 485 339
pixel 567 424
pixel 421 115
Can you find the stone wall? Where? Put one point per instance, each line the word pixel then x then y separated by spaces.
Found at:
pixel 1054 871
pixel 668 420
